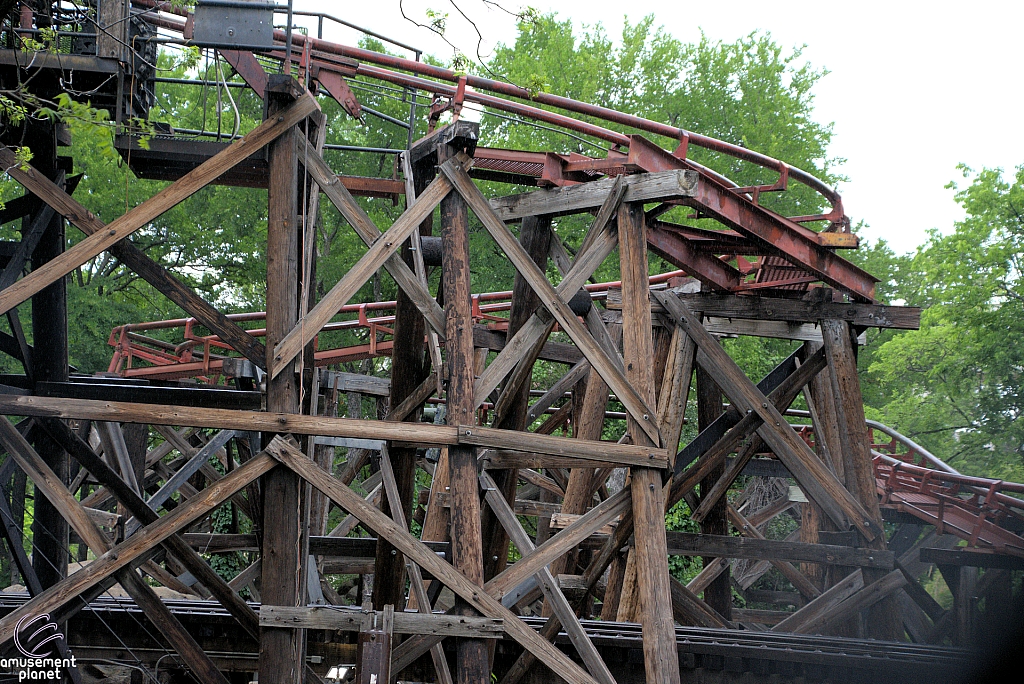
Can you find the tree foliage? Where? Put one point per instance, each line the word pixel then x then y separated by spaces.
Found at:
pixel 955 384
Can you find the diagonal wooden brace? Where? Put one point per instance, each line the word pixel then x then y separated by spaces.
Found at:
pixel 132 257
pixel 385 247
pixel 183 188
pixel 342 199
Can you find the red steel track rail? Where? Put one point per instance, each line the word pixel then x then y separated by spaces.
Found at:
pixel 767 234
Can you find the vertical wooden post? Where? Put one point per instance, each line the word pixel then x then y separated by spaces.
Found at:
pixel 883 617
pixel 535 236
pixel 661 660
pixel 467 546
pixel 407 372
pixel 284 577
pixel 718 593
pixel 49 364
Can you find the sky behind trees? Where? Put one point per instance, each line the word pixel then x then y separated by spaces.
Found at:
pixel 915 88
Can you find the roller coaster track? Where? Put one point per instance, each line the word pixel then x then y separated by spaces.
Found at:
pixel 758 250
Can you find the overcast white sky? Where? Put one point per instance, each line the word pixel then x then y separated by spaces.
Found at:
pixel 915 87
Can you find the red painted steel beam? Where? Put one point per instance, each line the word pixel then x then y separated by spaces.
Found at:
pixel 777 234
pixel 705 267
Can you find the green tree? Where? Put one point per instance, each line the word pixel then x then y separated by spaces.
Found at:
pixel 955 384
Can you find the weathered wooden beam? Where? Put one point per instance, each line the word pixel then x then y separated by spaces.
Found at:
pixel 414 433
pixel 331 618
pixel 800 310
pixel 839 346
pixel 661 660
pixel 170 196
pixel 356 382
pixel 576 199
pixel 422 556
pixel 860 600
pixel 812 612
pixel 466 534
pixel 689 544
pixel 284 545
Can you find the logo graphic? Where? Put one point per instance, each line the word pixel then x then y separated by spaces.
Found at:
pixel 31 643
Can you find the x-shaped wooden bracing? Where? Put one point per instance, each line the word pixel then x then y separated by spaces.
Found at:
pixel 383 252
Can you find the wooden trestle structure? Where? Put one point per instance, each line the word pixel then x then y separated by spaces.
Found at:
pixel 277 431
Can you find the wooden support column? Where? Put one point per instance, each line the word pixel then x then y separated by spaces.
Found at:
pixel 535 236
pixel 407 372
pixel 839 340
pixel 49 364
pixel 661 660
pixel 467 546
pixel 718 593
pixel 284 576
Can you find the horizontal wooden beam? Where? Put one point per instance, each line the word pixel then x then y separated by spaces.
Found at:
pixel 971 558
pixel 414 433
pixel 354 620
pixel 575 199
pixel 689 544
pixel 798 310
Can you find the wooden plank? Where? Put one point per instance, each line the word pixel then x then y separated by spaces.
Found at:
pixel 352 620
pixel 802 311
pixel 368 233
pixel 552 591
pixel 379 252
pixel 689 544
pixel 576 199
pixel 812 475
pixel 416 433
pixel 356 382
pixel 646 417
pixel 806 588
pixel 190 468
pixel 661 660
pixel 144 213
pixel 606 452
pixel 422 556
pixel 498 459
